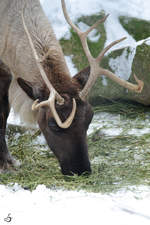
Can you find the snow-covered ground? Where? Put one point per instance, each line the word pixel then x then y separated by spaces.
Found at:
pixel 45 206
pixel 111 125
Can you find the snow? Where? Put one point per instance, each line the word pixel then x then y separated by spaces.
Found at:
pixel 76 8
pixel 71 66
pixel 112 125
pixel 13 119
pixel 122 64
pixel 46 206
pixel 139 132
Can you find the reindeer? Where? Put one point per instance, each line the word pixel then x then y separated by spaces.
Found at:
pixel 41 89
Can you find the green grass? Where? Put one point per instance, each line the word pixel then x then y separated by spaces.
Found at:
pixel 117 162
pixel 127 109
pixel 139 29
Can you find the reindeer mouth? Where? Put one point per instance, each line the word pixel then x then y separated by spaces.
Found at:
pixel 76 170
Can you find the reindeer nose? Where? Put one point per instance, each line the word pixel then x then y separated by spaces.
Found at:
pixel 85 172
pixel 82 170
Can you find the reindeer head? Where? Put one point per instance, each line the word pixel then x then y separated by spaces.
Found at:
pixel 63 125
pixel 69 144
pixel 64 116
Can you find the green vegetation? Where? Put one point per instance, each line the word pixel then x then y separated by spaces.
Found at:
pixel 139 29
pixel 117 161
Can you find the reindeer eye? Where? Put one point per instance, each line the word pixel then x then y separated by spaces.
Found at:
pixel 53 125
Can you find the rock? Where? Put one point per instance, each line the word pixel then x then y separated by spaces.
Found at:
pixel 141 67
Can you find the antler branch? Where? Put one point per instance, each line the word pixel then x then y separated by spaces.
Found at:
pixel 53 93
pixel 102 53
pixel 51 103
pixel 95 69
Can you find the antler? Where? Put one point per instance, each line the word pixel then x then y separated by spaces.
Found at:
pixel 53 93
pixel 95 69
pixel 51 103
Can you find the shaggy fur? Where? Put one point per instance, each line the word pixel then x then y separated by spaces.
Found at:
pixel 16 43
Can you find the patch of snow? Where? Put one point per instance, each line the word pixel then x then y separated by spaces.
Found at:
pixel 147 41
pixel 139 132
pixel 115 31
pixel 112 125
pixel 13 119
pixel 102 121
pixel 73 70
pixel 40 140
pixel 122 65
pixel 104 80
pixel 112 132
pixel 45 206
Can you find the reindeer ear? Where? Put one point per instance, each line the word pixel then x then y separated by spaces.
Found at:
pixel 82 77
pixel 32 90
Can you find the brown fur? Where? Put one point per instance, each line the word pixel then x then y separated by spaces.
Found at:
pixel 5 79
pixel 61 81
pixel 69 145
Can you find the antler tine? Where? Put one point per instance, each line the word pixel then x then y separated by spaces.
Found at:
pixel 74 26
pixel 96 24
pixel 82 35
pixel 51 103
pixel 68 18
pixel 69 120
pixel 133 87
pixel 102 53
pixel 95 69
